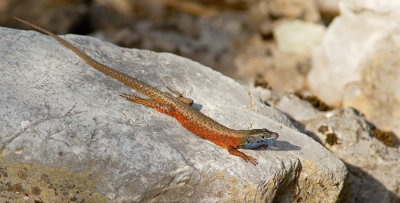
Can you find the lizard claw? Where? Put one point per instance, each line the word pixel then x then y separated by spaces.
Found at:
pixel 242 155
pixel 251 160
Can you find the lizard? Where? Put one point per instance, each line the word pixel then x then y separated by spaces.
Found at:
pixel 178 107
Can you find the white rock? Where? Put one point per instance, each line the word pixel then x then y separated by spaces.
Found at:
pixel 357 64
pixel 348 41
pixel 307 36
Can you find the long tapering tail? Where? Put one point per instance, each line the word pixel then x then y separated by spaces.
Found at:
pixel 126 79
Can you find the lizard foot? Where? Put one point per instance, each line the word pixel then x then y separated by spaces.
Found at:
pixel 236 152
pixel 166 109
pixel 251 160
pixel 138 100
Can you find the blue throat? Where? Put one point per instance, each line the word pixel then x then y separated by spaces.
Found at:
pixel 259 143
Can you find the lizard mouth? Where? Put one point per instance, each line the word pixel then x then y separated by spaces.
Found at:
pixel 259 143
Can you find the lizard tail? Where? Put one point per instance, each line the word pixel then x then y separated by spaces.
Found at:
pixel 127 80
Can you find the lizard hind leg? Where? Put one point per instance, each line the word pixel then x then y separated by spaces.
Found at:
pixel 166 109
pixel 181 98
pixel 138 100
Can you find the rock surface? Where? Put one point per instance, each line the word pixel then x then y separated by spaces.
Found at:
pixel 66 135
pixel 374 168
pixel 294 9
pixel 283 62
pixel 308 35
pixel 358 62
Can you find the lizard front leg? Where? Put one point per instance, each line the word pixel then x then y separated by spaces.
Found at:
pixel 166 109
pixel 236 152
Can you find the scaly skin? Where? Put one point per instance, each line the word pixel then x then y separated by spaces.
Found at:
pixel 180 108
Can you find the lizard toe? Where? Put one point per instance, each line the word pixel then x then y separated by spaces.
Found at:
pixel 251 160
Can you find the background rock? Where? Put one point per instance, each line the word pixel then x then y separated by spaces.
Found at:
pixel 214 33
pixel 374 167
pixel 308 35
pixel 294 9
pixel 328 9
pixel 357 64
pixel 284 62
pixel 66 135
pixel 376 94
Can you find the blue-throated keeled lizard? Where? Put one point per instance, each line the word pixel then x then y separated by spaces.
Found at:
pixel 180 108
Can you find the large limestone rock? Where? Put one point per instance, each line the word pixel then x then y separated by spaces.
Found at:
pixel 66 135
pixel 358 62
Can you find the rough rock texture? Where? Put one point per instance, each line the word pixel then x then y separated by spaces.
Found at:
pixel 358 64
pixel 66 135
pixel 374 168
pixel 377 93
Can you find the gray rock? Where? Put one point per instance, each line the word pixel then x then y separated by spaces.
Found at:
pixel 374 168
pixel 298 109
pixel 66 135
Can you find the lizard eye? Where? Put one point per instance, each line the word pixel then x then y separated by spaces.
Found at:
pixel 263 137
pixel 248 141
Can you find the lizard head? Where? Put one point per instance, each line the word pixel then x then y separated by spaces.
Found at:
pixel 257 137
